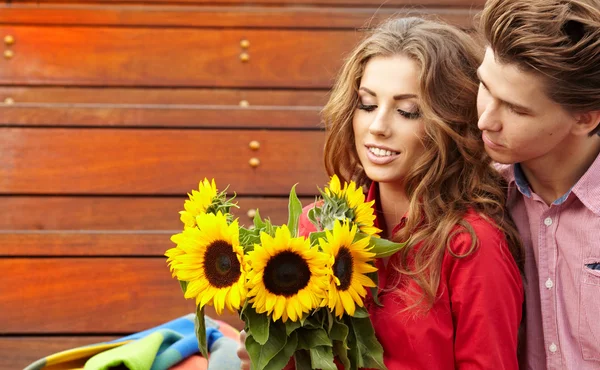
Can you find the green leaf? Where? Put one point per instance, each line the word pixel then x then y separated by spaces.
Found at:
pixel 315 235
pixel 269 228
pixel 340 350
pixel 284 356
pixel 249 237
pixel 314 216
pixel 258 222
pixel 354 353
pixel 370 348
pixel 321 357
pixel 375 290
pixel 294 212
pixel 329 318
pixel 290 326
pixel 302 359
pixel 258 325
pixel 261 355
pixel 384 248
pixel 312 321
pixel 360 312
pixel 183 285
pixel 310 338
pixel 201 331
pixel 339 331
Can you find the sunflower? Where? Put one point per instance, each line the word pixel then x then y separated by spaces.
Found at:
pixel 364 215
pixel 212 261
pixel 199 202
pixel 287 277
pixel 351 263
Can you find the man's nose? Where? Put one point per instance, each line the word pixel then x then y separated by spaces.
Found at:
pixel 489 118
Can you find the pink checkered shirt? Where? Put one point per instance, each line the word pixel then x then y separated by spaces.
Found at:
pixel 562 290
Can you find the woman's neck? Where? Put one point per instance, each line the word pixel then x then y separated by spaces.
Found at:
pixel 394 205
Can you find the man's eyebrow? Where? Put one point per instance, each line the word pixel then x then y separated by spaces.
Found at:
pixel 515 106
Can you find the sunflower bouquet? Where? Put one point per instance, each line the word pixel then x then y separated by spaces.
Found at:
pixel 300 293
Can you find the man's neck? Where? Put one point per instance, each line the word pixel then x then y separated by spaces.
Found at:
pixel 553 175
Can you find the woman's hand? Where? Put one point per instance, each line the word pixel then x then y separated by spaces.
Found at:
pixel 242 353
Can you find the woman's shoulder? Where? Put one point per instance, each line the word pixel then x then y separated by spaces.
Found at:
pixel 487 234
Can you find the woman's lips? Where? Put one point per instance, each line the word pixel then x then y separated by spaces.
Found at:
pixel 381 160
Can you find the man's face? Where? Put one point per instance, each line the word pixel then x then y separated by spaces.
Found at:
pixel 519 122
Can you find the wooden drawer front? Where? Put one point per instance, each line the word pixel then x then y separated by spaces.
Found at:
pixel 368 14
pixel 129 161
pixel 89 295
pixel 157 96
pixel 377 3
pixel 101 213
pixel 101 115
pixel 173 57
pixel 13 355
pixel 119 107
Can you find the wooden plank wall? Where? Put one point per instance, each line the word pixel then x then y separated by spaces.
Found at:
pixel 111 111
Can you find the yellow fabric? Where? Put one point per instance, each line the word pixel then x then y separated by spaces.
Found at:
pixel 76 357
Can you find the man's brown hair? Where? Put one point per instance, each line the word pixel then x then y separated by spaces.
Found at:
pixel 559 39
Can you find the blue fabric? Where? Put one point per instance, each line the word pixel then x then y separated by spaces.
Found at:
pixel 183 325
pixel 594 266
pixel 157 348
pixel 524 187
pixel 224 354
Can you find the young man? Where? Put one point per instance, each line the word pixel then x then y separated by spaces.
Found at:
pixel 539 108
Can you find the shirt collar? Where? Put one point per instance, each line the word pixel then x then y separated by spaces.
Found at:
pixel 587 188
pixel 521 180
pixel 523 185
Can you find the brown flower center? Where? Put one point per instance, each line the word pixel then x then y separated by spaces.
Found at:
pixel 286 274
pixel 343 268
pixel 221 266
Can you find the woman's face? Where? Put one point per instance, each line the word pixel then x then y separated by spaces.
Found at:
pixel 387 123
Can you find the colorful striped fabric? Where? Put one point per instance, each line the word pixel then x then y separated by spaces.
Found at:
pixel 160 348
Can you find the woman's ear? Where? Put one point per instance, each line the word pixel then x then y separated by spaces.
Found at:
pixel 586 122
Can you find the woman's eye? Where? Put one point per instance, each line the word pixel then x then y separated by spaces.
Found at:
pixel 367 107
pixel 409 115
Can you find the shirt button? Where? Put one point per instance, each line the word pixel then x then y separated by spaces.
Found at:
pixel 553 348
pixel 549 283
pixel 548 221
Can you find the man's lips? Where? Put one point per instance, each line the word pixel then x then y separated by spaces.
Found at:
pixel 490 143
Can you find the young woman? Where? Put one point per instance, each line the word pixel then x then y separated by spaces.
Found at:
pixel 402 122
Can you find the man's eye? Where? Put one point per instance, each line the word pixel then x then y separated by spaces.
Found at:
pixel 514 111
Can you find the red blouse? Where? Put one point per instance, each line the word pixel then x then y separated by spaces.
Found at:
pixel 474 321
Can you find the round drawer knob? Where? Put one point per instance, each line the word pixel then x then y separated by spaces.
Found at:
pixel 9 40
pixel 9 101
pixel 245 44
pixel 254 145
pixel 251 213
pixel 254 162
pixel 244 103
pixel 8 54
pixel 244 57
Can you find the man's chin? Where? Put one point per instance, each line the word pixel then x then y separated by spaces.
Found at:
pixel 499 158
